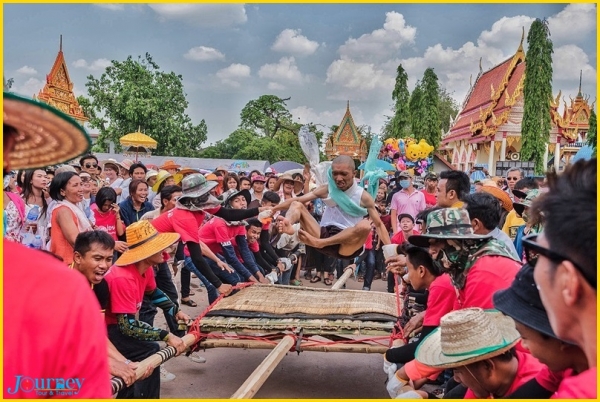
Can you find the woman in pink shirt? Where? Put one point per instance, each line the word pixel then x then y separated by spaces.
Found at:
pixel 106 212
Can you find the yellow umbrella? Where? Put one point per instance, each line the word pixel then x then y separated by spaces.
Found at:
pixel 139 143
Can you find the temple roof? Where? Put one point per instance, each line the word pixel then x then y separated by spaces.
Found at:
pixel 490 99
pixel 346 140
pixel 58 90
pixel 575 118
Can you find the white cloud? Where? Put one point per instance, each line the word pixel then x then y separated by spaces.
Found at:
pixel 274 86
pixel 28 88
pixel 285 70
pixel 111 6
pixel 290 41
pixel 233 74
pixel 574 23
pixel 96 65
pixel 506 33
pixel 26 70
pixel 568 61
pixel 381 43
pixel 203 53
pixel 209 15
pixel 358 76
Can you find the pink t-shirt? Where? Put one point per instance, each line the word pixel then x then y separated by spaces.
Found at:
pixel 216 232
pixel 551 380
pixel 106 222
pixel 411 204
pixel 127 288
pixel 528 367
pixel 582 386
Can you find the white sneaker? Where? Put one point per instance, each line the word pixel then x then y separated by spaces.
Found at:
pixel 165 375
pixel 196 358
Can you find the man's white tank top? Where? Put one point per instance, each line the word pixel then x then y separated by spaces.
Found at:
pixel 334 216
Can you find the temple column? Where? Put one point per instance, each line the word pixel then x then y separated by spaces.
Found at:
pixel 491 157
pixel 546 157
pixel 557 157
pixel 503 150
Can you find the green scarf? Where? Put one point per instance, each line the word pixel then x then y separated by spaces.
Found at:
pixel 372 173
pixel 342 199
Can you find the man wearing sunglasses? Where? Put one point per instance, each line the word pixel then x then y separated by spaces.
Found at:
pixel 89 164
pixel 512 177
pixel 565 269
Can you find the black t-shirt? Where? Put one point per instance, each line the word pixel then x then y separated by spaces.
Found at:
pixel 101 292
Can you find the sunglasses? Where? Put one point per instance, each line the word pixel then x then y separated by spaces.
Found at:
pixel 533 250
pixel 512 178
pixel 91 165
pixel 197 202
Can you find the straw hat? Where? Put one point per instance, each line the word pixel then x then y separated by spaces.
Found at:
pixel 500 195
pixel 126 164
pixel 187 170
pixel 170 164
pixel 151 173
pixel 298 185
pixel 115 165
pixel 467 336
pixel 46 136
pixel 211 177
pixel 162 176
pixel 447 223
pixel 144 241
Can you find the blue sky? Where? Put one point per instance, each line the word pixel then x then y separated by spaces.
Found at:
pixel 320 55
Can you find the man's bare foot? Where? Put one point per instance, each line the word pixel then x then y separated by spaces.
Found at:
pixel 284 226
pixel 309 239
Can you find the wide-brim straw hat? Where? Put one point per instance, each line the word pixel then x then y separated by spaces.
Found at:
pixel 151 173
pixel 298 185
pixel 143 241
pixel 467 336
pixel 114 164
pixel 170 164
pixel 500 195
pixel 164 175
pixel 46 136
pixel 187 170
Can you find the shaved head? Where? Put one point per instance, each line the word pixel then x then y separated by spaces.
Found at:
pixel 344 160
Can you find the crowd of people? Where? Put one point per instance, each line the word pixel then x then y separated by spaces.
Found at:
pixel 499 300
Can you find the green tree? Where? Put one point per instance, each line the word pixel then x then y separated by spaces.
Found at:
pixel 537 93
pixel 136 94
pixel 430 123
pixel 416 111
pixel 267 115
pixel 399 123
pixel 447 108
pixel 227 148
pixel 592 138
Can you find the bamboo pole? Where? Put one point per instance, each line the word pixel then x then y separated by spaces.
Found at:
pixel 153 361
pixel 342 279
pixel 333 348
pixel 251 386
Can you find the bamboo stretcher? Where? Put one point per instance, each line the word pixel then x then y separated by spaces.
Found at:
pixel 366 329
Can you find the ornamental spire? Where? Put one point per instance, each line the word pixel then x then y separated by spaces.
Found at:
pixel 60 46
pixel 579 95
pixel 520 49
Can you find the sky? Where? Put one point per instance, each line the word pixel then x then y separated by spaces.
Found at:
pixel 319 55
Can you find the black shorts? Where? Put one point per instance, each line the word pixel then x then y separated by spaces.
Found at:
pixel 334 249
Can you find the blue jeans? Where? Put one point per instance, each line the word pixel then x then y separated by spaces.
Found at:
pixel 212 291
pixel 284 278
pixel 232 278
pixel 370 271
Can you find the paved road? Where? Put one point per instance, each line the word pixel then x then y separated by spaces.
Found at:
pixel 308 375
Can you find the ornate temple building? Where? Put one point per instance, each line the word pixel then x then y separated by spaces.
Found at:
pixel 58 91
pixel 346 140
pixel 487 129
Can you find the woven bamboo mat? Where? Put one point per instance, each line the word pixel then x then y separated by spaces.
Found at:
pixel 282 300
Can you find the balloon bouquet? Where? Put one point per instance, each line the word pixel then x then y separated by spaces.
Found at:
pixel 414 156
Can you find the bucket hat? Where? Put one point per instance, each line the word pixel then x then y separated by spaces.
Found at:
pixel 522 302
pixel 46 136
pixel 151 173
pixel 170 164
pixel 126 164
pixel 467 336
pixel 195 185
pixel 144 241
pixel 500 195
pixel 113 163
pixel 298 185
pixel 531 195
pixel 245 193
pixel 447 223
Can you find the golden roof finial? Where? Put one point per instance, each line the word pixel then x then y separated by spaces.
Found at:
pixel 348 106
pixel 579 95
pixel 480 68
pixel 520 49
pixel 60 46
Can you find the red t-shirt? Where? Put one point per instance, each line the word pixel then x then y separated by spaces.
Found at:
pixel 398 238
pixel 369 241
pixel 254 247
pixel 528 367
pixel 582 386
pixel 440 301
pixel 489 274
pixel 216 232
pixel 551 380
pixel 52 331
pixel 127 288
pixel 430 199
pixel 106 222
pixel 181 221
